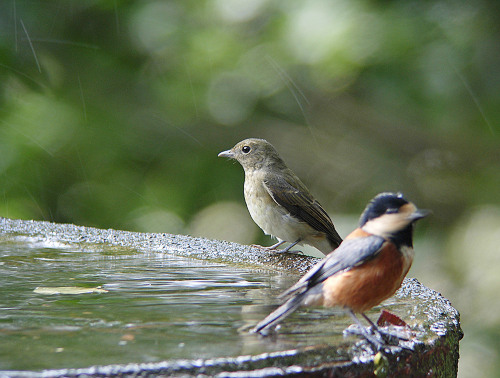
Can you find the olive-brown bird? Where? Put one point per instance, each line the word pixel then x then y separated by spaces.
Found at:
pixel 279 202
pixel 367 268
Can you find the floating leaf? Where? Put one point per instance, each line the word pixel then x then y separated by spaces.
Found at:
pixel 68 290
pixel 388 318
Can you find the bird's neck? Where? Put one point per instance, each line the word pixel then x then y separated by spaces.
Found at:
pixel 403 237
pixel 265 165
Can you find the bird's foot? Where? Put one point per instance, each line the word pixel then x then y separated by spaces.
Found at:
pixel 377 338
pixel 373 337
pixel 274 248
pixel 288 249
pixel 397 332
pixel 271 248
pixel 295 252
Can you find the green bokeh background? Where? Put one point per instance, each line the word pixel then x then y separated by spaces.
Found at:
pixel 112 114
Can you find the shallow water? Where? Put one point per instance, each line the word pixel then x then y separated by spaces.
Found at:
pixel 157 307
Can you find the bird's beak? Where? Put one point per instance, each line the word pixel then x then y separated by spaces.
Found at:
pixel 228 154
pixel 419 214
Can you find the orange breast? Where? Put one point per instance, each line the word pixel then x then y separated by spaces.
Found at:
pixel 365 286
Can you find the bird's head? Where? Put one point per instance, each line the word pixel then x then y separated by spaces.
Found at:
pixel 391 216
pixel 254 154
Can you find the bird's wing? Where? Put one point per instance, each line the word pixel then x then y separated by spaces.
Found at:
pixel 297 200
pixel 351 253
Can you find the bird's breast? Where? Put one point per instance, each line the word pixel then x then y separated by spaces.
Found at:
pixel 365 286
pixel 271 217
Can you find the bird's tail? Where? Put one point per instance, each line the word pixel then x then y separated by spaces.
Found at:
pixel 279 314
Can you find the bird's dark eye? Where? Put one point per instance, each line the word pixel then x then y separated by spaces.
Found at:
pixel 246 149
pixel 391 210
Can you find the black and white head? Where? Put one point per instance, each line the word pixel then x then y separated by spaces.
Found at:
pixel 392 217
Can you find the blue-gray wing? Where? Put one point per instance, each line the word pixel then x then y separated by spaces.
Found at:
pixel 349 254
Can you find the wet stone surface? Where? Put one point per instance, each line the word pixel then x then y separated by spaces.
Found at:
pixel 79 301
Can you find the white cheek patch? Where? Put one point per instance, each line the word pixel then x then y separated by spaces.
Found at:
pixel 387 224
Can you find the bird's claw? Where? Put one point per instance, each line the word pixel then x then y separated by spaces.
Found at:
pixel 274 248
pixel 379 340
pixel 288 251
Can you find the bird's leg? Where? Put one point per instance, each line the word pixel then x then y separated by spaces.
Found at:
pixel 388 337
pixel 373 325
pixel 373 334
pixel 371 337
pixel 271 247
pixel 275 246
pixel 291 245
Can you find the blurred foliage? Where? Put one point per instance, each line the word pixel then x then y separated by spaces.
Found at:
pixel 112 114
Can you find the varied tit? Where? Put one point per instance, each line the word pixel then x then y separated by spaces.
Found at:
pixel 367 268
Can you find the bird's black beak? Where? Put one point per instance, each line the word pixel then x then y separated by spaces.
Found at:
pixel 419 214
pixel 228 154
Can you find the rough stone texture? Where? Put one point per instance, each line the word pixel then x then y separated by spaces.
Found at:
pixel 434 352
